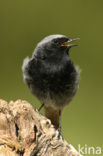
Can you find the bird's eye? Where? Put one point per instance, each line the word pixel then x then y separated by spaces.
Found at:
pixel 57 43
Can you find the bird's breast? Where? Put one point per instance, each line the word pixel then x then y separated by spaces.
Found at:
pixel 55 84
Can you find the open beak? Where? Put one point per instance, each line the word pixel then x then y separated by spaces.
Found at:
pixel 68 43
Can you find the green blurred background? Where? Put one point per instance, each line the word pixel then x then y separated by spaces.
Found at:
pixel 23 24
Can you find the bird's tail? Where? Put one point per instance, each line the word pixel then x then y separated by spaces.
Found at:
pixel 53 115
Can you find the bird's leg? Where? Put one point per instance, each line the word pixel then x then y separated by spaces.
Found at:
pixel 59 128
pixel 41 107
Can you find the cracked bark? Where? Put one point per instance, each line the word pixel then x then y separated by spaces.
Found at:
pixel 25 132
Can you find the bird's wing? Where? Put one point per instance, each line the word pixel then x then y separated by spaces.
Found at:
pixel 28 65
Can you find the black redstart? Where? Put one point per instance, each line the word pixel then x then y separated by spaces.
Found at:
pixel 51 75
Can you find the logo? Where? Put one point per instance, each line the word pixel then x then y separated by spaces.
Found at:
pixel 89 150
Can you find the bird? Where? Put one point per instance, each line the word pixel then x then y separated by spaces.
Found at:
pixel 51 75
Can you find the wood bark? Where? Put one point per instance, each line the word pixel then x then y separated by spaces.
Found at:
pixel 25 132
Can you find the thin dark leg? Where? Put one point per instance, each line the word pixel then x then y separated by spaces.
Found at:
pixel 41 107
pixel 35 132
pixel 59 129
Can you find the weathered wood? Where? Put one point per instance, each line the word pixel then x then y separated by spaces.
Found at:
pixel 25 132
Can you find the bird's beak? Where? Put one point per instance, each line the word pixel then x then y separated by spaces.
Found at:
pixel 68 43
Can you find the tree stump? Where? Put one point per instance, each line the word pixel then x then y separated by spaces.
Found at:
pixel 25 132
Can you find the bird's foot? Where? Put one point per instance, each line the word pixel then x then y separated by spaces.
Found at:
pixel 59 133
pixel 59 128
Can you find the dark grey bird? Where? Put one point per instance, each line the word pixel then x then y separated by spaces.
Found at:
pixel 51 75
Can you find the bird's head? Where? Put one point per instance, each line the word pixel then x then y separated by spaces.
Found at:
pixel 54 46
